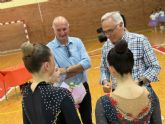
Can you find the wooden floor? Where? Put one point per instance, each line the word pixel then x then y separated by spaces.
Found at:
pixel 10 110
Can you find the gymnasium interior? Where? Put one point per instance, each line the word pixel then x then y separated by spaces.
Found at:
pixel 31 20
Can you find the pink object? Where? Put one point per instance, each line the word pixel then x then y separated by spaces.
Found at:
pixel 78 92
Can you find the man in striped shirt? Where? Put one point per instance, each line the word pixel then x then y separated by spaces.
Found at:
pixel 146 67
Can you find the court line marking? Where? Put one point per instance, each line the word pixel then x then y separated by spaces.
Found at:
pixel 159 51
pixel 4 97
pixel 95 50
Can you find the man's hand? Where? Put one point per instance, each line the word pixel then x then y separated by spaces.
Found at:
pixel 107 88
pixel 62 71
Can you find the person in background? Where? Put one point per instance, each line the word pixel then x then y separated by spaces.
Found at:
pixel 129 103
pixel 73 61
pixel 161 19
pixel 153 22
pixel 42 102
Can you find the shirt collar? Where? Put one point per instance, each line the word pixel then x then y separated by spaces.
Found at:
pixel 58 44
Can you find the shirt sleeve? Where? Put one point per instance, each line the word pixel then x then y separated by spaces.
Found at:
pixel 99 113
pixel 69 111
pixel 104 72
pixel 151 62
pixel 85 60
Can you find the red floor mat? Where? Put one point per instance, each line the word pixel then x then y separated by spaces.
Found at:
pixel 159 48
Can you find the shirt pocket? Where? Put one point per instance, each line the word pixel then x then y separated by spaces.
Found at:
pixel 75 55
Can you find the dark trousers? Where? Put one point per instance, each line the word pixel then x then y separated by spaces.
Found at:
pixel 85 108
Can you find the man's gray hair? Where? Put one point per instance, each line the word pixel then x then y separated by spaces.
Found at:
pixel 114 15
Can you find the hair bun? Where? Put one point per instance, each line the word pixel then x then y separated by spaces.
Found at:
pixel 121 47
pixel 27 49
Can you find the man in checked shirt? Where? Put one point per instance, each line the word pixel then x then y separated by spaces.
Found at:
pixel 146 67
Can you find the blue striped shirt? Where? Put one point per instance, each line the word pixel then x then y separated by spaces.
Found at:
pixel 72 53
pixel 145 61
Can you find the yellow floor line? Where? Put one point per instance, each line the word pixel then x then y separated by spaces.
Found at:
pixel 6 113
